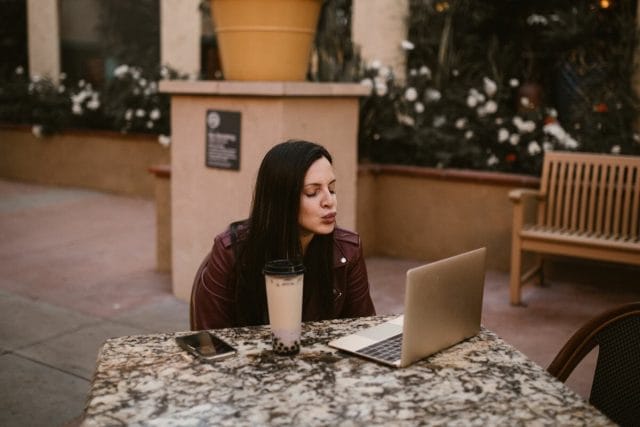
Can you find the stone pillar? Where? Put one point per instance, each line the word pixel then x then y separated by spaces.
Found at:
pixel 43 31
pixel 379 27
pixel 180 32
pixel 204 200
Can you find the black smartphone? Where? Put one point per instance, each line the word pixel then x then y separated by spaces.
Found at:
pixel 205 345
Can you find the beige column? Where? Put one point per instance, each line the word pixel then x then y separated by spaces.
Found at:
pixel 204 200
pixel 635 74
pixel 379 27
pixel 180 30
pixel 43 31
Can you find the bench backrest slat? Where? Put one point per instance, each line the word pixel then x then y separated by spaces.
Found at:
pixel 591 194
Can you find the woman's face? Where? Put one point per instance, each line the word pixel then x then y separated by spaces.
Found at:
pixel 318 202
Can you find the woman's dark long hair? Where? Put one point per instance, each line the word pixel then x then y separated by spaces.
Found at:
pixel 273 232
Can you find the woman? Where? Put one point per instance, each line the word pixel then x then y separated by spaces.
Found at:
pixel 293 215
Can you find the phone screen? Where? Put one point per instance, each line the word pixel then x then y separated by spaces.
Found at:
pixel 205 345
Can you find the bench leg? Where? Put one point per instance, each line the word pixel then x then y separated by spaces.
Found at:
pixel 514 280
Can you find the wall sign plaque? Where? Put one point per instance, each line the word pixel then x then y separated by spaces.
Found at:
pixel 222 139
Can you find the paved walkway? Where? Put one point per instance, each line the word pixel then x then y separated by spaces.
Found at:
pixel 77 267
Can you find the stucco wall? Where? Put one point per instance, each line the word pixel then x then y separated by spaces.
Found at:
pixel 422 213
pixel 105 161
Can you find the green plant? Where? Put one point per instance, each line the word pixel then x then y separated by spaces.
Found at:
pixel 129 102
pixel 483 90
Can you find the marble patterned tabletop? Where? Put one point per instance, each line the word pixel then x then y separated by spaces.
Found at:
pixel 149 380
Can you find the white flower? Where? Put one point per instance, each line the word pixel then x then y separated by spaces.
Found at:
pixel 524 126
pixel 407 45
pixel 381 88
pixel 164 140
pixel 455 72
pixel 413 72
pixel 20 70
pixel 149 124
pixel 63 76
pixel 432 95
pixel 81 83
pixel 439 121
pixel 375 64
pixel 492 160
pixel 94 103
pixel 468 134
pixel 471 101
pixel 37 131
pixel 140 112
pixel 79 97
pixel 128 115
pixel 419 107
pixel 367 82
pixel 499 121
pixel 615 149
pixel 524 101
pixel 491 107
pixel 547 146
pixel 411 94
pixel 503 135
pixel 121 71
pixel 535 19
pixel 155 114
pixel 385 72
pixel 376 136
pixel 551 112
pixel 76 109
pixel 425 71
pixel 533 148
pixel 636 137
pixel 406 120
pixel 514 82
pixel 61 89
pixel 514 139
pixel 490 87
pixel 36 78
pixel 563 138
pixel 461 123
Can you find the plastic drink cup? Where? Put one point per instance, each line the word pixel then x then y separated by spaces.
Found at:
pixel 284 281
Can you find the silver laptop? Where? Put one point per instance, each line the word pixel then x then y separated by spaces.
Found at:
pixel 442 306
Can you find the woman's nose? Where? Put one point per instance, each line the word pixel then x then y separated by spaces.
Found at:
pixel 328 199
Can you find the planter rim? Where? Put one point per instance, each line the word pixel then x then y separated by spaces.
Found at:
pixel 263 88
pixel 461 175
pixel 82 132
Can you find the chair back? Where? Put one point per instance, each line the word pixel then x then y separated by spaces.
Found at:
pixel 616 382
pixel 192 319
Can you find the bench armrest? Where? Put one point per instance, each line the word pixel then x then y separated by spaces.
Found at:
pixel 519 194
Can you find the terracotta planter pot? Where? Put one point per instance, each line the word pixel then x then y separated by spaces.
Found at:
pixel 265 39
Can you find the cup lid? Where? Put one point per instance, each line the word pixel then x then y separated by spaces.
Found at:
pixel 283 267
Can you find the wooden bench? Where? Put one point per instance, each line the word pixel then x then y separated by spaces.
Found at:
pixel 587 206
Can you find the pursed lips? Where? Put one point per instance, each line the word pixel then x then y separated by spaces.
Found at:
pixel 329 217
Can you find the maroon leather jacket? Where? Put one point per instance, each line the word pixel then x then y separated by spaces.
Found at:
pixel 212 297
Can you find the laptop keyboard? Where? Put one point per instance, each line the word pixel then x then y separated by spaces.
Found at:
pixel 388 349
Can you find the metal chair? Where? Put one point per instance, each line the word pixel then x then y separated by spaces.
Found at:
pixel 616 383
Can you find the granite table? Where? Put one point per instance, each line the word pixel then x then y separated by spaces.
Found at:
pixel 483 381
